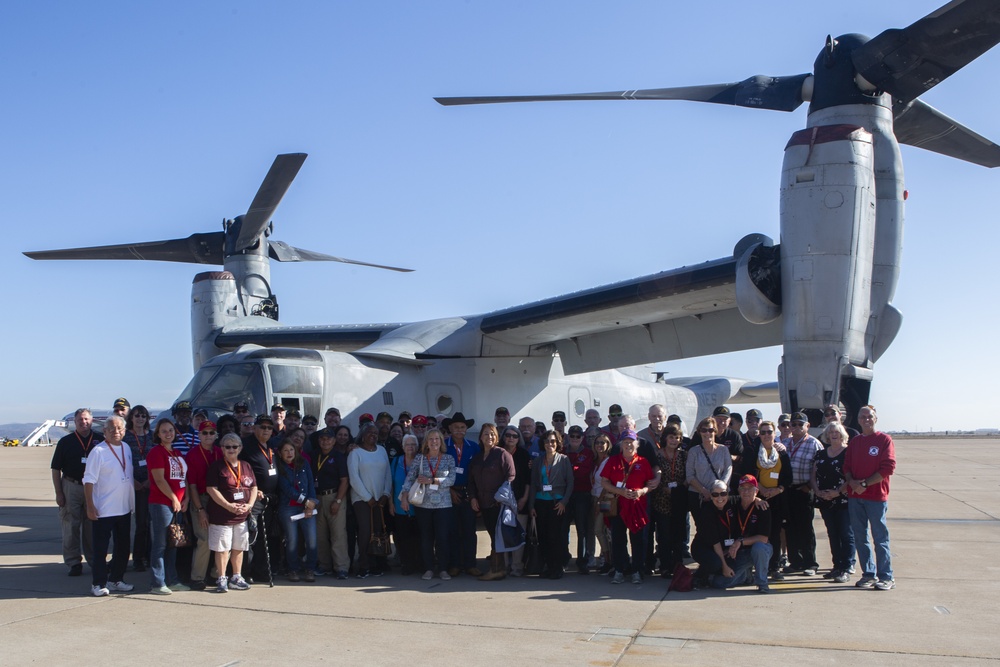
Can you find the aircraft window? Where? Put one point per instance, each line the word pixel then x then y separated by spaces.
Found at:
pixel 580 408
pixel 444 403
pixel 234 382
pixel 296 379
pixel 197 383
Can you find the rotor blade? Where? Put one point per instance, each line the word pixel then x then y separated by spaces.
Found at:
pixel 279 178
pixel 908 62
pixel 195 249
pixel 285 253
pixel 921 125
pixel 765 92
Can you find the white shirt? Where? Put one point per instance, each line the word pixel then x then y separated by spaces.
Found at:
pixel 113 493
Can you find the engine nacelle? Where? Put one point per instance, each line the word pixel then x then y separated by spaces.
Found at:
pixel 214 304
pixel 758 279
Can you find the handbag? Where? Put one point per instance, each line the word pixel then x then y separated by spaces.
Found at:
pixel 682 580
pixel 417 491
pixel 179 532
pixel 379 543
pixel 532 551
pixel 608 504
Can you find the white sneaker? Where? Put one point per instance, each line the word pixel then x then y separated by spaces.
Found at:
pixel 98 591
pixel 120 586
pixel 222 585
pixel 428 575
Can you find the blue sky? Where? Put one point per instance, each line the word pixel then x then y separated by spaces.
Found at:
pixel 147 121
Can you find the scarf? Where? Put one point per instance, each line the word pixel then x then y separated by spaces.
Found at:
pixel 765 462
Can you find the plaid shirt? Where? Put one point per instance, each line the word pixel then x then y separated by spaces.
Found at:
pixel 802 455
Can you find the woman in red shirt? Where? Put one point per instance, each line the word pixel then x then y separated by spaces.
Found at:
pixel 627 476
pixel 168 475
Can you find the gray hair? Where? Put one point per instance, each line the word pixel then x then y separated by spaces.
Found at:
pixel 230 438
pixel 115 418
pixel 410 436
pixel 719 485
pixel 837 426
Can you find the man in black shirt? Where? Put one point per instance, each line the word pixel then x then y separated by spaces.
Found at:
pixel 730 438
pixel 264 463
pixel 742 545
pixel 69 461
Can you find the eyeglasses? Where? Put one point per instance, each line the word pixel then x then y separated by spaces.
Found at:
pixel 511 436
pixel 615 415
pixel 230 446
pixel 207 432
pixel 766 432
pixel 719 494
pixel 247 424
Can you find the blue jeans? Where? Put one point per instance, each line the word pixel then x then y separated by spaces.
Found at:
pixel 871 512
pixel 435 536
pixel 307 527
pixel 838 528
pixel 756 558
pixel 162 557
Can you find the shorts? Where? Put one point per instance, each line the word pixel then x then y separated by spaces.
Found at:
pixel 228 538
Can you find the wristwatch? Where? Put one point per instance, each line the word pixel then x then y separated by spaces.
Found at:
pixel 864 484
pixel 340 501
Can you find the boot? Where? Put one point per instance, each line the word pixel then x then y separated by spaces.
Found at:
pixel 498 568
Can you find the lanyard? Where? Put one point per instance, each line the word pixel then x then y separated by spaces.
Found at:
pixel 237 472
pixel 90 439
pixel 121 461
pixel 628 469
pixel 205 456
pixel 434 468
pixel 268 454
pixel 458 450
pixel 743 522
pixel 323 459
pixel 140 444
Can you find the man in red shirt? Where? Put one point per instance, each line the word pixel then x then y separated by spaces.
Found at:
pixel 869 462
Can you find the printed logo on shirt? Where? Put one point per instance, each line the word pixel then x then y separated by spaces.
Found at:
pixel 873 451
pixel 176 468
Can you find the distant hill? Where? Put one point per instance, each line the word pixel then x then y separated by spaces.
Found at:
pixel 21 431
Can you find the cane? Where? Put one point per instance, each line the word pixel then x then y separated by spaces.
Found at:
pixel 267 550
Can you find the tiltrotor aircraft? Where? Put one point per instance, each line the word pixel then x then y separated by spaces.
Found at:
pixel 824 293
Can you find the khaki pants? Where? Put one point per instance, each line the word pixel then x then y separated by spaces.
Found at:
pixel 331 535
pixel 73 517
pixel 202 555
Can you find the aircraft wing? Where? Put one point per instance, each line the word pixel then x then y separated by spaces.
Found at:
pixel 687 312
pixel 265 332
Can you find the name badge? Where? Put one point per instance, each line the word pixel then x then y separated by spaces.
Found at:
pixel 434 487
pixel 620 485
pixel 774 475
pixel 83 460
pixel 183 484
pixel 534 455
pixel 546 487
pixel 672 485
pixel 142 463
pixel 271 472
pixel 302 498
pixel 728 543
pixel 238 495
pixel 459 471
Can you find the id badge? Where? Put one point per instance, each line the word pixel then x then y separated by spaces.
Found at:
pixel 271 472
pixel 620 485
pixel 728 543
pixel 774 475
pixel 672 485
pixel 238 495
pixel 142 463
pixel 546 487
pixel 433 487
pixel 83 460
pixel 459 471
pixel 183 484
pixel 302 499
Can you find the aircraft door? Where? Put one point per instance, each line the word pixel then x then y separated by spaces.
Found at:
pixel 579 403
pixel 445 398
pixel 297 387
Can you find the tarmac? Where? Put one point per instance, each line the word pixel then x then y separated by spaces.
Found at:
pixel 944 522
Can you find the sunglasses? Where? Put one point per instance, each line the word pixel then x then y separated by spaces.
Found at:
pixel 512 436
pixel 266 427
pixel 766 432
pixel 706 430
pixel 230 446
pixel 207 432
pixel 719 494
pixel 576 435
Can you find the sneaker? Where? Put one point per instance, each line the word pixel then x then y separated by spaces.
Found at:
pixel 606 568
pixel 310 576
pixel 321 572
pixel 76 570
pixel 341 575
pixel 120 586
pixel 239 583
pixel 198 585
pixel 592 563
pixel 788 569
pixel 619 578
pixel 763 588
pixel 517 571
pixel 866 582
pixel 776 575
pixel 850 570
pixel 809 572
pixel 98 591
pixel 179 587
pixel 831 574
pixel 428 575
pixel 636 578
pixel 293 575
pixel 363 574
pixel 885 584
pixel 160 590
pixel 445 576
pixel 842 578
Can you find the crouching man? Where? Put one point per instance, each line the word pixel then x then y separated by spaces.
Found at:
pixel 743 546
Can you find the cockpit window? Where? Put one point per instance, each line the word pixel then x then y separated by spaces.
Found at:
pixel 296 379
pixel 218 389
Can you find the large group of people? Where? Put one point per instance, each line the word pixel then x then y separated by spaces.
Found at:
pixel 224 504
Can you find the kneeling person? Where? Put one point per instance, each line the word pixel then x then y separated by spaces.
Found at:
pixel 743 543
pixel 232 490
